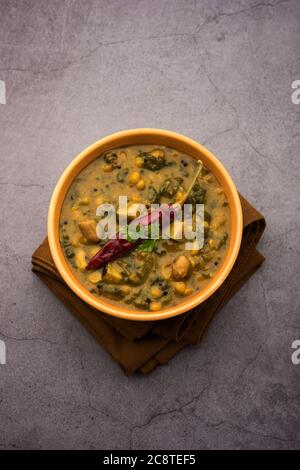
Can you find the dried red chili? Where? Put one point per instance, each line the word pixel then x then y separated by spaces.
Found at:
pixel 118 246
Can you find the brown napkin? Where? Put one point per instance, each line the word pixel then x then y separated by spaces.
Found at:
pixel 144 345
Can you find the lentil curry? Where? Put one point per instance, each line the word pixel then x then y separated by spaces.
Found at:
pixel 152 275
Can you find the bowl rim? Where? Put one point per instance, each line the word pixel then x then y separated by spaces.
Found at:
pixel 123 312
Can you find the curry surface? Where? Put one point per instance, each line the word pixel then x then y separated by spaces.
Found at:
pixel 149 277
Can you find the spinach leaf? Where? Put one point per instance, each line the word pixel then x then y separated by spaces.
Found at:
pixel 147 245
pixel 112 159
pixel 153 195
pixel 152 163
pixel 122 174
pixel 197 195
pixel 170 186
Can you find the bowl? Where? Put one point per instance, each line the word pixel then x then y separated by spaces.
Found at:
pixel 156 137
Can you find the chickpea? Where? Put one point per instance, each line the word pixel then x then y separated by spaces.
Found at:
pixel 180 268
pixel 157 153
pixel 134 177
pixel 180 287
pixel 140 185
pixel 80 259
pixel 125 289
pixel 113 275
pixel 212 244
pixel 166 271
pixel 84 201
pixel 188 291
pixel 136 197
pixel 156 293
pixel 88 230
pixel 139 161
pixel 75 241
pixel 107 168
pixel 155 306
pixel 95 277
pixel 179 196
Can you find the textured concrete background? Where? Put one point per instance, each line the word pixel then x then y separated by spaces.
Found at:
pixel 219 72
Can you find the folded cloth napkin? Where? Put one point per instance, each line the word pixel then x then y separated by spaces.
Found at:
pixel 141 346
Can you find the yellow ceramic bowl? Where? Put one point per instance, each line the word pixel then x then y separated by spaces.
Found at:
pixel 156 137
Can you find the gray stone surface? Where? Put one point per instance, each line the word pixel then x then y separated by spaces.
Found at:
pixel 219 72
